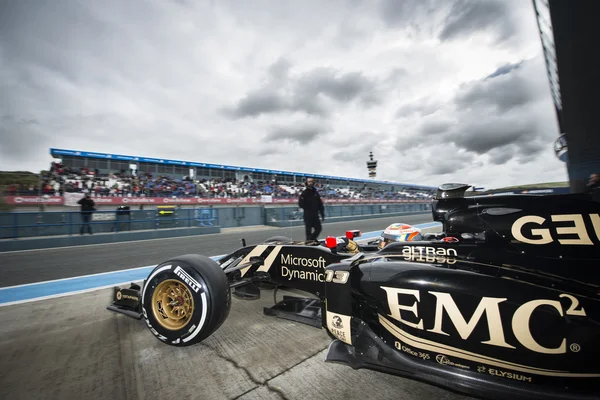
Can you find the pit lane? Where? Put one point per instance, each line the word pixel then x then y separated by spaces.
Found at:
pixel 72 347
pixel 28 266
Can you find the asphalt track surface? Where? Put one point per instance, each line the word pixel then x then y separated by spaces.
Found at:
pixel 22 267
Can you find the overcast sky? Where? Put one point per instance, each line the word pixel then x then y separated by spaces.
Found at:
pixel 440 91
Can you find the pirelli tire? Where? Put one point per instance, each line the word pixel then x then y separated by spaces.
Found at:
pixel 185 299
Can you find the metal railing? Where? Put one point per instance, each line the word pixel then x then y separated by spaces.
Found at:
pixel 56 223
pixel 280 214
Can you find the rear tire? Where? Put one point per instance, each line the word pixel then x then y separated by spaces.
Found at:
pixel 185 299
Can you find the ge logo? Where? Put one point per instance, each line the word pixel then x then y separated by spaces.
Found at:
pixel 575 348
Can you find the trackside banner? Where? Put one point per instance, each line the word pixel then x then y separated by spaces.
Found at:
pixel 71 200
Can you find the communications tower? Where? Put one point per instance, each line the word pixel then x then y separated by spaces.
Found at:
pixel 372 166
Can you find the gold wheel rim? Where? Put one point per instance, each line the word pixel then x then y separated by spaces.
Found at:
pixel 172 304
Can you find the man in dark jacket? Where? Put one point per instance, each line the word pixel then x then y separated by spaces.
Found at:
pixel 310 201
pixel 87 208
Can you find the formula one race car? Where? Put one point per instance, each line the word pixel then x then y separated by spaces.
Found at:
pixel 504 303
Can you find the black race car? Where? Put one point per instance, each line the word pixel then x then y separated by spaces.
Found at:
pixel 505 303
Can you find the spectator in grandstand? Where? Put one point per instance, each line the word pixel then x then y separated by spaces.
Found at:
pixel 87 208
pixel 310 201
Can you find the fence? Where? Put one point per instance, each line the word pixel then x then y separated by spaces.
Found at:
pixel 68 223
pixel 39 224
pixel 281 214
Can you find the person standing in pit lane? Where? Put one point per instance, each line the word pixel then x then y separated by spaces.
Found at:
pixel 310 201
pixel 88 206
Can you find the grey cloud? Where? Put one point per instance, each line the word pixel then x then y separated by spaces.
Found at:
pixel 522 151
pixel 257 103
pixel 503 139
pixel 435 127
pixel 279 70
pixel 299 133
pixel 410 143
pixel 268 150
pixel 444 168
pixel 345 156
pixel 501 157
pixel 395 76
pixel 355 151
pixel 504 93
pixel 21 138
pixel 505 69
pixel 407 14
pixel 508 117
pixel 418 109
pixel 469 16
pixel 339 87
pixel 446 159
pixel 530 150
pixel 482 136
pixel 305 93
pixel 310 105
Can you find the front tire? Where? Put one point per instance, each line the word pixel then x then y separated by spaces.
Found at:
pixel 185 299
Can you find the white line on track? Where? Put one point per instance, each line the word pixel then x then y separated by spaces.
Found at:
pixel 72 278
pixel 65 294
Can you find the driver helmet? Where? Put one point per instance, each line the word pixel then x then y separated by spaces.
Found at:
pixel 399 233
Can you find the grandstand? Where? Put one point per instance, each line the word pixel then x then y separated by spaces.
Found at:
pixel 135 176
pixel 164 177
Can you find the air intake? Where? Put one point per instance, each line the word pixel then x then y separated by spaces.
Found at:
pixel 451 191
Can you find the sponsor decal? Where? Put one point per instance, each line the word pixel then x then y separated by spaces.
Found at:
pixel 504 374
pixel 121 295
pixel 339 326
pixel 186 200
pixel 288 260
pixel 429 254
pixel 523 231
pixel 488 306
pixel 105 200
pixel 428 345
pixel 242 200
pixel 304 275
pixel 191 282
pixel 406 349
pixel 426 250
pixel 54 200
pixel 35 200
pixel 444 360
